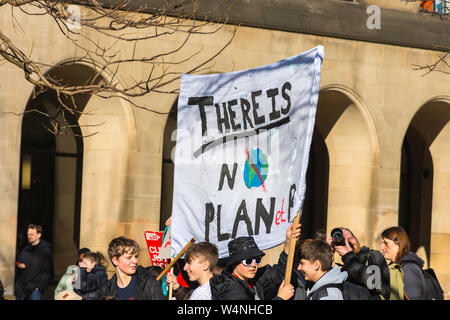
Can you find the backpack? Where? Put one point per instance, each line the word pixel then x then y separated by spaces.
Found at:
pixel 432 290
pixel 350 291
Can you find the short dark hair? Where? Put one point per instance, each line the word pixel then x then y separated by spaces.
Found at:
pixel 83 251
pixel 316 249
pixel 206 250
pixel 37 227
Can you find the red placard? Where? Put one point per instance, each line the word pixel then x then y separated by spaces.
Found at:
pixel 154 241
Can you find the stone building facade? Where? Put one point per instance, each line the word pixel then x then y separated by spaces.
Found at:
pixel 380 154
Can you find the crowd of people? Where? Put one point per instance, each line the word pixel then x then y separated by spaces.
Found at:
pixel 394 273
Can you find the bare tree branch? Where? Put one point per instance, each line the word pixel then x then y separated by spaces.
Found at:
pixel 117 26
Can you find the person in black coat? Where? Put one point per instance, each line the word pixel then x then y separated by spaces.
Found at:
pixel 131 281
pixel 364 266
pixel 92 276
pixel 34 266
pixel 244 280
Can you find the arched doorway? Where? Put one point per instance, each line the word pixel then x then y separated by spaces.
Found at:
pixel 418 174
pixel 168 167
pixel 51 168
pixel 351 143
pixel 315 206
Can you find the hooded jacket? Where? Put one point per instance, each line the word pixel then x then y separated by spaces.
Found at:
pixel 147 287
pixel 91 283
pixel 356 266
pixel 38 272
pixel 413 280
pixel 333 276
pixel 267 279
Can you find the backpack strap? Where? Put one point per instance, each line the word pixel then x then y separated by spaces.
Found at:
pixel 314 295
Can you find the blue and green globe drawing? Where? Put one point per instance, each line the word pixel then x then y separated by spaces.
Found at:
pixel 256 168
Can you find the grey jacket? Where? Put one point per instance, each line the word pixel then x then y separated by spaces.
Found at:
pixel 414 283
pixel 334 276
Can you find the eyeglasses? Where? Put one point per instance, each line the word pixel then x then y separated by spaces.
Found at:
pixel 249 262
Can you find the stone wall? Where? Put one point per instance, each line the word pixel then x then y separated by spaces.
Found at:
pixel 122 165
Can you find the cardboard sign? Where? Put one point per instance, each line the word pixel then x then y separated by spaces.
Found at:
pixel 154 241
pixel 165 249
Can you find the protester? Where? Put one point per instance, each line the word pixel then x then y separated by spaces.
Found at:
pixel 179 270
pixel 316 263
pixel 66 281
pixel 72 272
pixel 359 263
pixel 299 282
pixel 131 281
pixel 201 260
pixel 34 266
pixel 92 276
pixel 244 280
pixel 405 267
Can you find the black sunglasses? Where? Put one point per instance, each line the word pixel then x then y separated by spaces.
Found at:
pixel 248 262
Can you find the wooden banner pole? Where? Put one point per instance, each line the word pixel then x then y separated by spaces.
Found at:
pixel 175 259
pixel 171 286
pixel 290 259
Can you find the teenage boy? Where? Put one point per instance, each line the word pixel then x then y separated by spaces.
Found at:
pixel 316 264
pixel 201 259
pixel 131 281
pixel 244 280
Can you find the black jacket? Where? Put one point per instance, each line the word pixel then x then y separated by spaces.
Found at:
pixel 38 272
pixel 267 280
pixel 147 287
pixel 356 266
pixel 91 283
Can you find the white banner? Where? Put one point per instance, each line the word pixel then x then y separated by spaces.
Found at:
pixel 242 148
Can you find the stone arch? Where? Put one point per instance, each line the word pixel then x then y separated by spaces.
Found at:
pixel 109 134
pixel 346 125
pixel 424 187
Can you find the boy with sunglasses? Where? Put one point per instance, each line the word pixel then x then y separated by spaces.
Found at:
pixel 243 279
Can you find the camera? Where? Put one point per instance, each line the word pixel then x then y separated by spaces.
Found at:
pixel 338 238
